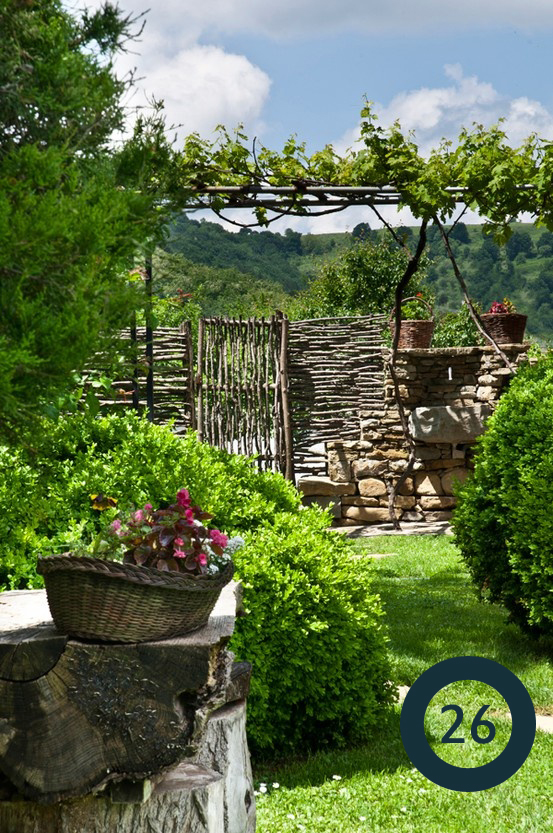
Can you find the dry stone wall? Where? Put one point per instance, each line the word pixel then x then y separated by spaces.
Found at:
pixel 447 395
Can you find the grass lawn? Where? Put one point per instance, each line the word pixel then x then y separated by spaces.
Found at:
pixel 432 614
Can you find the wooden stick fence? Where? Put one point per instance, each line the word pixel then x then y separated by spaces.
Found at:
pixel 336 370
pixel 266 387
pixel 241 389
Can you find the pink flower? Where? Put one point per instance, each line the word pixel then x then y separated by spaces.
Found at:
pixel 218 538
pixel 139 515
pixel 183 498
pixel 179 542
pixel 116 524
pixel 179 554
pixel 202 559
pixel 189 515
pixel 147 507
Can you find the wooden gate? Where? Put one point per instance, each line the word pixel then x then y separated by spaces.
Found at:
pixel 242 389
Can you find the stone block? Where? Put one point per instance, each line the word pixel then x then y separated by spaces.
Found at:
pixel 355 500
pixel 448 424
pixel 436 502
pixel 412 517
pixel 324 486
pixel 428 484
pixel 438 517
pixel 488 379
pixel 339 469
pixel 392 454
pixel 368 468
pixel 449 478
pixel 371 487
pixel 407 487
pixel 443 463
pixel 427 453
pixel 368 514
pixel 405 502
pixel 397 466
pixel 349 445
pixel 485 393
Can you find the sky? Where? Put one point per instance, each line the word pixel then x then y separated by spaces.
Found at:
pixel 303 67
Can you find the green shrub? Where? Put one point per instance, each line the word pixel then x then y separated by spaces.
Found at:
pixel 456 329
pixel 503 523
pixel 314 634
pixel 45 493
pixel 314 629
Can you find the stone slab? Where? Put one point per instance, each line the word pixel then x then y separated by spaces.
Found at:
pixel 448 423
pixel 324 486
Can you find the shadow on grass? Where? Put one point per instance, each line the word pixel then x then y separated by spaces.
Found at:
pixel 382 753
pixel 434 617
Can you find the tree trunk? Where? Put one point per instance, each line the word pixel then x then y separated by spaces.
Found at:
pixel 89 731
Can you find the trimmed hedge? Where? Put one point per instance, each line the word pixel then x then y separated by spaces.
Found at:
pixel 314 631
pixel 503 523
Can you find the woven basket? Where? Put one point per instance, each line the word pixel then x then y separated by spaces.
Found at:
pixel 107 601
pixel 414 333
pixel 505 327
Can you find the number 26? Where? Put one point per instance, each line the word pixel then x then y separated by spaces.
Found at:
pixel 474 726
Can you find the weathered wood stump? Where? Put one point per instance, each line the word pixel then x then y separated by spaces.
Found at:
pixel 115 737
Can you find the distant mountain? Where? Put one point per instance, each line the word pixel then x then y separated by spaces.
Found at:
pixel 521 270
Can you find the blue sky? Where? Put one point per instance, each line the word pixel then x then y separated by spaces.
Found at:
pixel 303 66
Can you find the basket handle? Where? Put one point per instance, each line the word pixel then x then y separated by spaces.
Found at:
pixel 412 298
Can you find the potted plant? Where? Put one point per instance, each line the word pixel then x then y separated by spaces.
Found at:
pixel 504 323
pixel 417 322
pixel 172 571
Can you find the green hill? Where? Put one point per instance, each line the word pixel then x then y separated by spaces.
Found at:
pixel 521 270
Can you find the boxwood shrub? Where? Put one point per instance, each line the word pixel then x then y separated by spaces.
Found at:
pixel 314 629
pixel 315 635
pixel 45 491
pixel 503 523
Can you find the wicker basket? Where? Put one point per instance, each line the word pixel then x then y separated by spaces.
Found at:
pixel 505 327
pixel 414 333
pixel 107 601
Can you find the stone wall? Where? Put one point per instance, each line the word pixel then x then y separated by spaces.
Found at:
pixel 447 394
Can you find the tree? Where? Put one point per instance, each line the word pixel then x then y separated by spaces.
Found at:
pixel 73 210
pixel 519 242
pixel 460 233
pixel 360 281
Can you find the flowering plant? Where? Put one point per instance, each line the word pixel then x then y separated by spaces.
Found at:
pixel 174 538
pixel 417 309
pixel 502 308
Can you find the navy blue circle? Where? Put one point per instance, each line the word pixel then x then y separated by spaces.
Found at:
pixel 458 778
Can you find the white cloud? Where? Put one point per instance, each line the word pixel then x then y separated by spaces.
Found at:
pixel 300 18
pixel 204 86
pixel 434 113
pixel 201 85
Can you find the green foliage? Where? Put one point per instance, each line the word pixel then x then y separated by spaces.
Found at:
pixel 456 329
pixel 213 291
pixel 314 629
pixel 314 634
pixel 503 525
pixel 268 257
pixel 45 492
pixel 359 281
pixel 72 211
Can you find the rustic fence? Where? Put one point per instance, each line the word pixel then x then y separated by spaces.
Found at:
pixel 155 375
pixel 266 387
pixel 335 370
pixel 242 389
